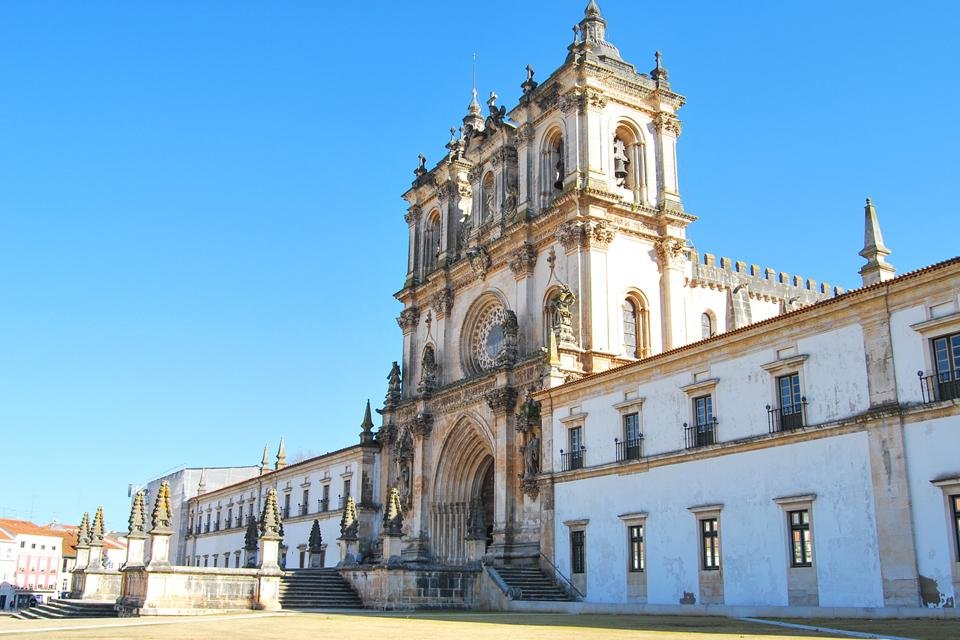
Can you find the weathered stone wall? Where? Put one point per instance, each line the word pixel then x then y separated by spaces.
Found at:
pixel 431 587
pixel 182 590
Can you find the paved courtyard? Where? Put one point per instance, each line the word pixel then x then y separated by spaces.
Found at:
pixel 465 626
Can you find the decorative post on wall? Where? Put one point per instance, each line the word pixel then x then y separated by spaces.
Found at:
pixel 315 546
pixel 271 532
pixel 160 531
pixel 392 528
pixel 250 539
pixel 136 532
pixel 349 526
pixel 96 541
pixel 83 557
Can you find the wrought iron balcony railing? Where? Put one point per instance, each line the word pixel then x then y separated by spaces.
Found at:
pixel 629 449
pixel 787 417
pixel 323 505
pixel 572 459
pixel 700 434
pixel 937 387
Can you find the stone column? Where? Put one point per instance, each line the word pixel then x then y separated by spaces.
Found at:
pixel 665 148
pixel 670 251
pixel 417 548
pixel 501 402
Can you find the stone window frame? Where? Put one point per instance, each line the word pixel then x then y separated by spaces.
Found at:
pixel 786 365
pixel 799 502
pixel 579 526
pixel 698 389
pixel 626 407
pixel 576 418
pixel 934 328
pixel 949 487
pixel 637 518
pixel 708 512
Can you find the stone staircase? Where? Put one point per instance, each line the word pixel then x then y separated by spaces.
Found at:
pixel 57 608
pixel 317 589
pixel 531 584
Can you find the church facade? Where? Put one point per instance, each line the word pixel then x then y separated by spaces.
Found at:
pixel 567 354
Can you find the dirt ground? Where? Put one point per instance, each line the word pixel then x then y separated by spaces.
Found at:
pixel 456 626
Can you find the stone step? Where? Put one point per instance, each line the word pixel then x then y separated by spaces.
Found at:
pixel 532 584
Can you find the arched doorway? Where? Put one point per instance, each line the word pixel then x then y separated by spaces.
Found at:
pixel 465 480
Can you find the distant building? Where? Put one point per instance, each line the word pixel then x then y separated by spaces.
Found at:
pixel 183 486
pixel 30 561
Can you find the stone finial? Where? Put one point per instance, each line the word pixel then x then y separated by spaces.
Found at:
pixel 162 511
pixel 270 526
pixel 349 524
pixel 281 456
pixel 315 541
pixel 83 531
pixel 659 72
pixel 138 518
pixel 393 515
pixel 202 485
pixel 96 530
pixel 366 427
pixel 265 462
pixel 529 84
pixel 874 251
pixel 250 536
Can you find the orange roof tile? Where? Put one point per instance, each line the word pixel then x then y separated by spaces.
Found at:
pixel 24 527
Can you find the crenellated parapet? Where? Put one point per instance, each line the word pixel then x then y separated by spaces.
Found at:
pixel 764 284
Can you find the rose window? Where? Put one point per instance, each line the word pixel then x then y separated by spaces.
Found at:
pixel 487 338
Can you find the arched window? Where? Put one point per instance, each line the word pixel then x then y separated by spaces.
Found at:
pixel 431 241
pixel 552 167
pixel 487 198
pixel 628 160
pixel 629 327
pixel 706 325
pixel 635 321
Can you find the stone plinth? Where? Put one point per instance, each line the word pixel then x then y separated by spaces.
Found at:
pixel 392 549
pixel 177 590
pixel 99 585
pixel 349 550
pixel 429 587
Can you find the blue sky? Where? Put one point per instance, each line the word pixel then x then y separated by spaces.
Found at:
pixel 200 222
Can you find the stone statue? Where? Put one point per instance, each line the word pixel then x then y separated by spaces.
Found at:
pixel 403 459
pixel 393 387
pixel 621 162
pixel 528 416
pixel 429 372
pixel 421 167
pixel 531 456
pixel 563 316
pixel 507 356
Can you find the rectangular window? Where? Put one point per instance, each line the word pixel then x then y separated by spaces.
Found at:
pixel 946 357
pixel 955 501
pixel 325 502
pixel 305 504
pixel 240 516
pixel 577 551
pixel 286 505
pixel 229 521
pixel 346 488
pixel 801 544
pixel 702 433
pixel 710 543
pixel 791 402
pixel 573 459
pixel 631 436
pixel 636 547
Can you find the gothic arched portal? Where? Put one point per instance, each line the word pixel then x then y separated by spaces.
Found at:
pixel 464 482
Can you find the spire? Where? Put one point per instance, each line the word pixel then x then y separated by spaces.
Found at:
pixel 162 511
pixel 138 517
pixel 874 251
pixel 366 433
pixel 348 521
pixel 590 35
pixel 83 531
pixel 593 27
pixel 202 485
pixel 270 527
pixel 281 456
pixel 265 462
pixel 96 531
pixel 315 542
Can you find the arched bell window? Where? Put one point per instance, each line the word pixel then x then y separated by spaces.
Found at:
pixel 431 241
pixel 552 167
pixel 706 325
pixel 635 322
pixel 628 158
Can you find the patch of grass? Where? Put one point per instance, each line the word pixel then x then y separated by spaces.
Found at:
pixel 919 628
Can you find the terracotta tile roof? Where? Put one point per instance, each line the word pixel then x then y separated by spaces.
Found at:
pixel 840 299
pixel 5 536
pixel 24 527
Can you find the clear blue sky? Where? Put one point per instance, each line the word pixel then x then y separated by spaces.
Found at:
pixel 200 222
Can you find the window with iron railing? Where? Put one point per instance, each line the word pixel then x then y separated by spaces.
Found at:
pixel 630 448
pixel 323 505
pixel 573 459
pixel 703 431
pixel 944 382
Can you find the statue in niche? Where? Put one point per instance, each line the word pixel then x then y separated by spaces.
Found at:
pixel 528 416
pixel 489 209
pixel 403 460
pixel 507 356
pixel 531 456
pixel 563 316
pixel 621 163
pixel 429 372
pixel 393 386
pixel 560 169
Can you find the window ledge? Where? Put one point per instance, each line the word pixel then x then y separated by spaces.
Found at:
pixel 789 501
pixel 700 386
pixel 706 509
pixel 626 405
pixel 943 324
pixel 636 516
pixel 793 362
pixel 582 522
pixel 573 419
